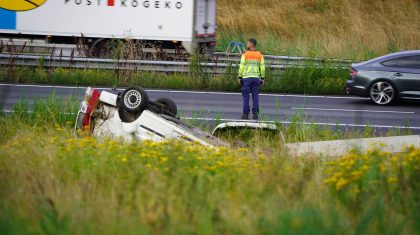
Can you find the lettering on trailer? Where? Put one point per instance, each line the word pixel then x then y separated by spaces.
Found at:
pixel 128 3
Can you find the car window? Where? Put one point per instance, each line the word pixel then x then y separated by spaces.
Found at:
pixel 408 62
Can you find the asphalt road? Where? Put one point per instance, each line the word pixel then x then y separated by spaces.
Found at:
pixel 345 111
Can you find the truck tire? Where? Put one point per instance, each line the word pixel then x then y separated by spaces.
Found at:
pixel 134 100
pixel 168 106
pixel 99 48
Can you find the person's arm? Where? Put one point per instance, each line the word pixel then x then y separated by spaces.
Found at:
pixel 242 67
pixel 262 68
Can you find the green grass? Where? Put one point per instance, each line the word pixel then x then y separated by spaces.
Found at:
pixel 350 29
pixel 56 183
pixel 309 80
pixel 271 44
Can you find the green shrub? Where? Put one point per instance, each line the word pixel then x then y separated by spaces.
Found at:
pixel 310 79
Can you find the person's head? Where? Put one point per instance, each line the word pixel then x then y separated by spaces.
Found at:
pixel 251 44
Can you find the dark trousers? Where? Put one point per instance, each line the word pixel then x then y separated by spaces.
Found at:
pixel 250 86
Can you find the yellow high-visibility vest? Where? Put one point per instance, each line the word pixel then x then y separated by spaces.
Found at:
pixel 252 65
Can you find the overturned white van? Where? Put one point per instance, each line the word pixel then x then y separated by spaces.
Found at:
pixel 130 115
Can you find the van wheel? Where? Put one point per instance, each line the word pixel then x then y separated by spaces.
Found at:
pixel 134 100
pixel 168 106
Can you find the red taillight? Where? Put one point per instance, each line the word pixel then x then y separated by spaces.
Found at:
pixel 205 35
pixel 353 73
pixel 92 102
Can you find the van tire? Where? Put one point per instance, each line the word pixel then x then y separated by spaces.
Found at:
pixel 168 106
pixel 134 100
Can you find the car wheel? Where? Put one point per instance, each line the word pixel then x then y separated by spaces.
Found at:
pixel 134 100
pixel 168 106
pixel 382 93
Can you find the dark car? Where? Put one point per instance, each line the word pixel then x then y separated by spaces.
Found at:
pixel 387 79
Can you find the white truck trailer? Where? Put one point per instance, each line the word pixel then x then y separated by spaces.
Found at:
pixel 187 24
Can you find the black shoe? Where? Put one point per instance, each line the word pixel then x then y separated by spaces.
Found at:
pixel 255 116
pixel 245 117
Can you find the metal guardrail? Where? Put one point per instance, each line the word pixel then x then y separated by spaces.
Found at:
pixel 70 50
pixel 285 60
pixel 93 63
pixel 139 65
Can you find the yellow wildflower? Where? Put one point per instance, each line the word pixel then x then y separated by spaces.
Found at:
pixel 341 183
pixel 392 180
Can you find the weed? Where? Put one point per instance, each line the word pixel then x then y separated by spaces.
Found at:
pixel 55 183
pixel 310 79
pixel 350 29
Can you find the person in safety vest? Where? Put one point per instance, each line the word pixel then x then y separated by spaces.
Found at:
pixel 251 77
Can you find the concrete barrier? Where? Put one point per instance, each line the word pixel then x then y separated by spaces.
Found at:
pixel 341 147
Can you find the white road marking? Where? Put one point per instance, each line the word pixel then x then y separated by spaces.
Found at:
pixel 306 123
pixel 261 94
pixel 279 122
pixel 191 92
pixel 29 111
pixel 354 110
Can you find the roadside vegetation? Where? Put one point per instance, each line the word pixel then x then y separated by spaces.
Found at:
pixel 57 183
pixel 327 80
pixel 346 29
